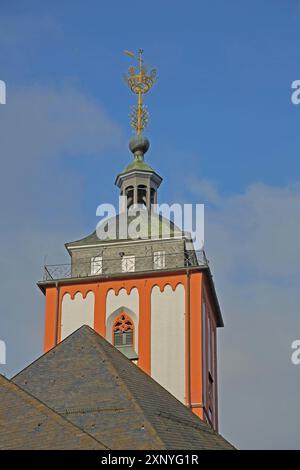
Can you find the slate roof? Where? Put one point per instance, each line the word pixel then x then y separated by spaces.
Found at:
pixel 26 423
pixel 88 381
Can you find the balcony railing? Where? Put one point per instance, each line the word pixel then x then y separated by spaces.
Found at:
pixel 108 266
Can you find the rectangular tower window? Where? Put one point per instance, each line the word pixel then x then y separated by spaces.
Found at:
pixel 204 354
pixel 128 264
pixel 209 345
pixel 211 384
pixel 159 259
pixel 214 374
pixel 213 353
pixel 96 265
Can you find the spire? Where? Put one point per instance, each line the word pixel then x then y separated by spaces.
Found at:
pixel 139 82
pixel 138 181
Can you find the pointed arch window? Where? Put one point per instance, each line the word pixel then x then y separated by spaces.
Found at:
pixel 123 335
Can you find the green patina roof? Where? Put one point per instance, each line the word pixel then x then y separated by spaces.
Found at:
pixel 138 164
pixel 157 224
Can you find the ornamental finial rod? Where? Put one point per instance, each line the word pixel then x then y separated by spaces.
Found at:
pixel 140 81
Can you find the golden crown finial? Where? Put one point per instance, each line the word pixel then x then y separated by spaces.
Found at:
pixel 139 82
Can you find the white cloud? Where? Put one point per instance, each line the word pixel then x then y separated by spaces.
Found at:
pixel 206 189
pixel 252 243
pixel 43 122
pixel 40 199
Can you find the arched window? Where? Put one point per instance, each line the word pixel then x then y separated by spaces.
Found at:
pixel 153 196
pixel 123 335
pixel 142 195
pixel 129 194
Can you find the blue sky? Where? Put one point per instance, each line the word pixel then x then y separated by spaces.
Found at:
pixel 223 131
pixel 225 70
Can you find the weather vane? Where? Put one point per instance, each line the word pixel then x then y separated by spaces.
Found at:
pixel 140 82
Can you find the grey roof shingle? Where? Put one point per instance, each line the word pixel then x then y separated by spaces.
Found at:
pixel 26 423
pixel 88 381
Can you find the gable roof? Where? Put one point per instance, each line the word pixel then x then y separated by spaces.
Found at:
pixel 88 381
pixel 26 423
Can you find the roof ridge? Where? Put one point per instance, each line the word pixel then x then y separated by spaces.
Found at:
pixel 50 350
pixel 114 382
pixel 44 408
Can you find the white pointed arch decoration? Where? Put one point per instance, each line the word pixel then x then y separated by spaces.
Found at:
pixel 122 302
pixel 168 338
pixel 76 311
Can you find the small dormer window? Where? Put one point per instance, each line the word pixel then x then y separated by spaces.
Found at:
pixel 159 259
pixel 96 265
pixel 128 264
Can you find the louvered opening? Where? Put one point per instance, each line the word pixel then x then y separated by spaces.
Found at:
pixel 118 340
pixel 123 338
pixel 128 337
pixel 142 195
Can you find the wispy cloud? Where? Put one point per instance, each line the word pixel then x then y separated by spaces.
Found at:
pixel 41 130
pixel 252 242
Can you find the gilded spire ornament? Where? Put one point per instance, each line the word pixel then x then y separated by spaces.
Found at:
pixel 140 81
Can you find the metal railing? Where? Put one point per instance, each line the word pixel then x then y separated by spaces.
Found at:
pixel 86 267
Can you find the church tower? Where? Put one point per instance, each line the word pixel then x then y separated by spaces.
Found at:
pixel 148 294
